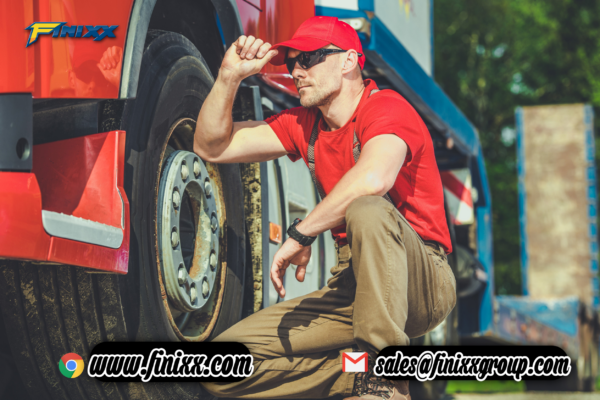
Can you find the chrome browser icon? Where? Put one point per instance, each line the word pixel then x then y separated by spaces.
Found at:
pixel 71 365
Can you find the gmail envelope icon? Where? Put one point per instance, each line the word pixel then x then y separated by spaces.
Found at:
pixel 354 362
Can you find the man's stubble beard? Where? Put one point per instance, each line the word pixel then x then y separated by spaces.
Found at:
pixel 318 99
pixel 321 97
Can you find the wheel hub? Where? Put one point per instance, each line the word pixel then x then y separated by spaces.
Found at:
pixel 188 231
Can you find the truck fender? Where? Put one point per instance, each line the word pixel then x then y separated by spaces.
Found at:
pixel 229 17
pixel 137 29
pixel 134 46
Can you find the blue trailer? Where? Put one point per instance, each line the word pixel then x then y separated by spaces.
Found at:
pixel 397 38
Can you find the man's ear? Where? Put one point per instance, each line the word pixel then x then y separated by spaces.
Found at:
pixel 350 62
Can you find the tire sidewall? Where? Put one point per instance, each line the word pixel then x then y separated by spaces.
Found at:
pixel 174 81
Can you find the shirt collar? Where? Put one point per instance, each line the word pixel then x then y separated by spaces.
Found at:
pixel 369 86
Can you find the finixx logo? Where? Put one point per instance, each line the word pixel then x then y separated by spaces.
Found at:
pixel 60 29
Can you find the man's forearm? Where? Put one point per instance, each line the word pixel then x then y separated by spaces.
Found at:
pixel 370 176
pixel 214 127
pixel 331 212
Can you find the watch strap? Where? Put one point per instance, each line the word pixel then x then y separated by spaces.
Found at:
pixel 297 236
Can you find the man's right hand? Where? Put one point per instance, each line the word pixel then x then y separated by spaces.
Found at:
pixel 246 57
pixel 217 138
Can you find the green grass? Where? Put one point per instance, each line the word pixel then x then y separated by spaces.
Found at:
pixel 491 386
pixel 485 386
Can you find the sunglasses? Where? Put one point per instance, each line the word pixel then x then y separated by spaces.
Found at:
pixel 309 59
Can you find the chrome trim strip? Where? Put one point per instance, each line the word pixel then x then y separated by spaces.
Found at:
pixel 81 230
pixel 134 47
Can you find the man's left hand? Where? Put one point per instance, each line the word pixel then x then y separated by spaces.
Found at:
pixel 291 252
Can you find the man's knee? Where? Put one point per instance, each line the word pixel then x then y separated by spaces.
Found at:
pixel 365 212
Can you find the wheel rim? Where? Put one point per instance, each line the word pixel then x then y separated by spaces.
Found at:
pixel 188 231
pixel 191 260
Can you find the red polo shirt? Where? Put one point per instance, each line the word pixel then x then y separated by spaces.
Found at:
pixel 417 192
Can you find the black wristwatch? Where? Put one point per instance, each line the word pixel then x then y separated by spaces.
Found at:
pixel 297 236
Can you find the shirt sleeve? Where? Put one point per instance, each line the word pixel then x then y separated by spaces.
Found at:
pixel 390 114
pixel 282 124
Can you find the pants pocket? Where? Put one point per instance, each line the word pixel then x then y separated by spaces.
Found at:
pixel 343 276
pixel 446 300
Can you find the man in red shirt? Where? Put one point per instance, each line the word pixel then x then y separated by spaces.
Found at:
pixel 373 162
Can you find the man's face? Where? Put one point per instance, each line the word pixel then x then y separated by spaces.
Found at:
pixel 318 85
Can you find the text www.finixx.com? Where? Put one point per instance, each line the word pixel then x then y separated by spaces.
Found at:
pixel 159 364
pixel 429 365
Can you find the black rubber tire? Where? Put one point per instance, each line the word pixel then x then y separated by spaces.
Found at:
pixel 52 310
pixel 174 81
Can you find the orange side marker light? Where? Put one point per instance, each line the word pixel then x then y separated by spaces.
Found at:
pixel 275 234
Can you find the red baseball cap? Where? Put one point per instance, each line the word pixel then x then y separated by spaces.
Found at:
pixel 317 32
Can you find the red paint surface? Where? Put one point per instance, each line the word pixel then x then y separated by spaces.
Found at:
pixel 21 232
pixel 276 23
pixel 97 257
pixel 68 67
pixel 92 193
pixel 83 177
pixel 281 81
pixel 255 3
pixel 59 67
pixel 79 177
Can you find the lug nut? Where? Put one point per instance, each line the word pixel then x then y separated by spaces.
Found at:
pixel 207 188
pixel 184 172
pixel 181 275
pixel 196 168
pixel 176 199
pixel 214 223
pixel 213 261
pixel 193 294
pixel 174 239
pixel 205 289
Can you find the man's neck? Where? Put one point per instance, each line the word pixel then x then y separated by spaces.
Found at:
pixel 340 110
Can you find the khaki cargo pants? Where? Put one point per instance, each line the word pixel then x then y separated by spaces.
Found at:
pixel 392 287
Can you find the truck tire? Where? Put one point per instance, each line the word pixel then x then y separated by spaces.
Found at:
pixel 51 310
pixel 174 81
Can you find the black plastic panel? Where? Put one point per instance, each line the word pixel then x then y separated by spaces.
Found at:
pixel 16 132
